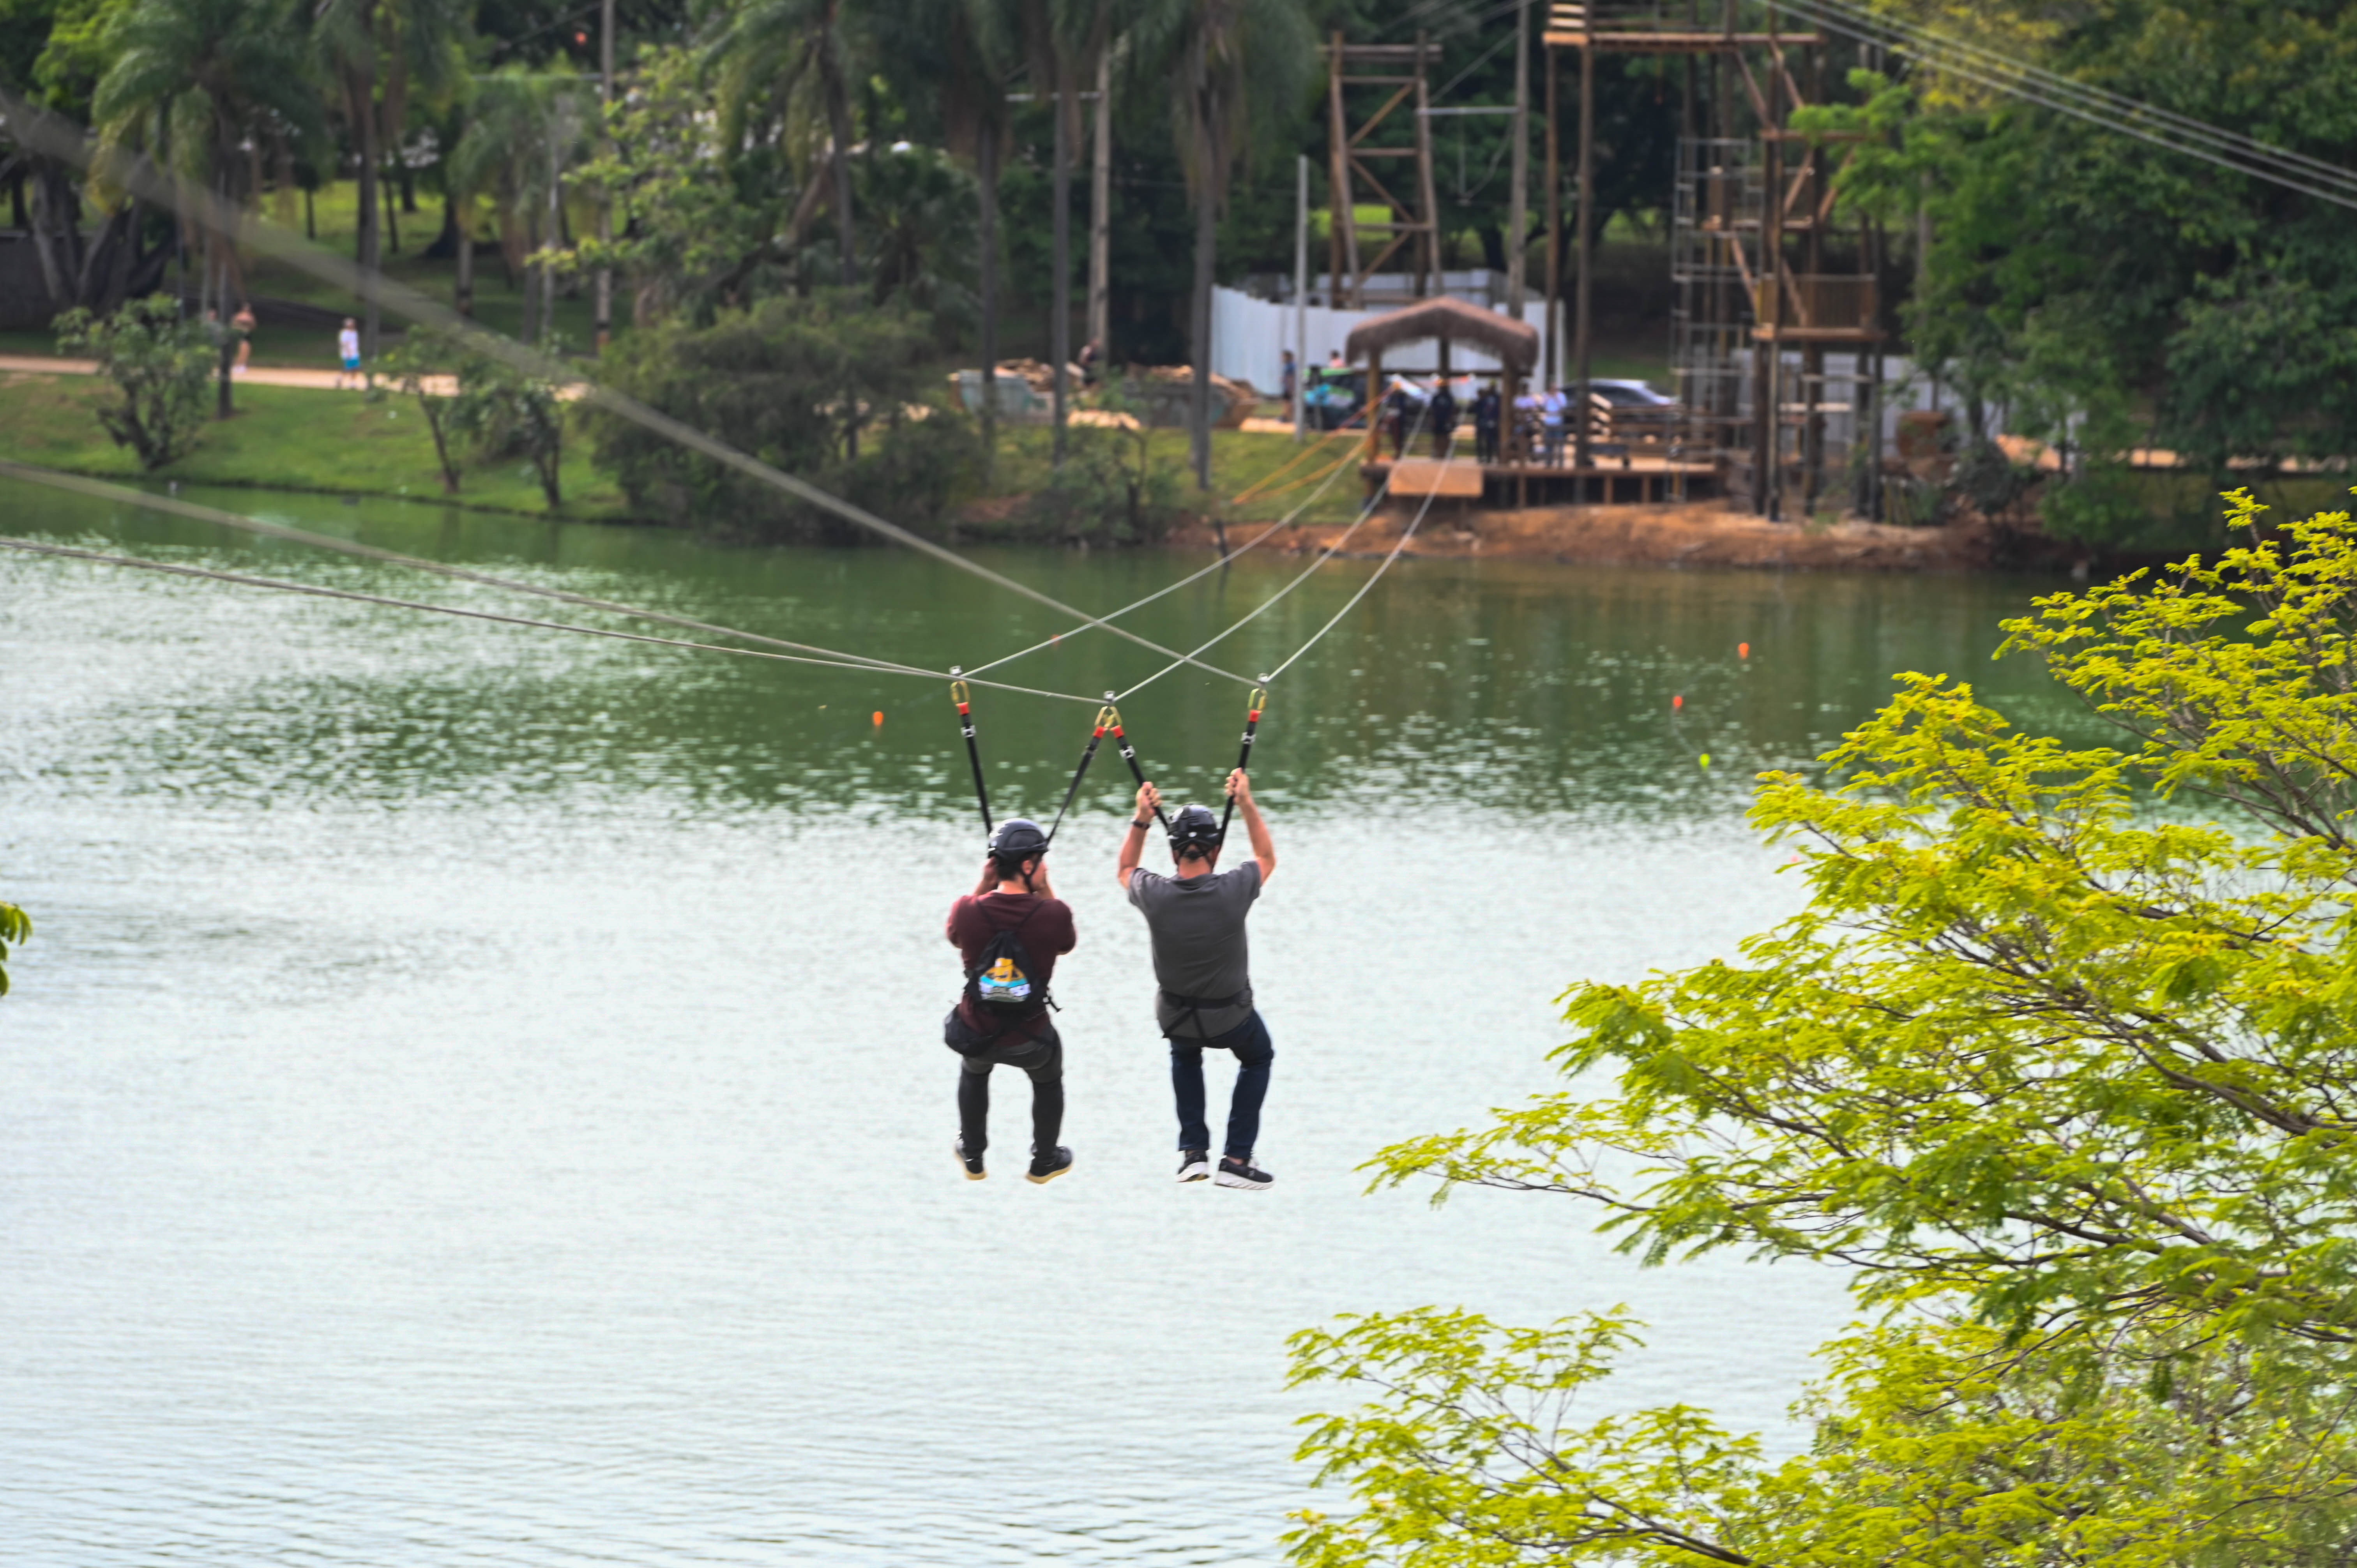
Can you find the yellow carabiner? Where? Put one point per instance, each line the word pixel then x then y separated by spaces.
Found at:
pixel 960 696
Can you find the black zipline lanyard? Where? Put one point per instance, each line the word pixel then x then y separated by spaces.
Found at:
pixel 1253 706
pixel 1105 715
pixel 1129 756
pixel 964 699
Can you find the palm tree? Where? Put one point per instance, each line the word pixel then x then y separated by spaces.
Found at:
pixel 378 51
pixel 209 84
pixel 1239 66
pixel 1067 38
pixel 523 129
pixel 767 47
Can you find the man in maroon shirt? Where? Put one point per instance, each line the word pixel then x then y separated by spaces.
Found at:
pixel 1003 1016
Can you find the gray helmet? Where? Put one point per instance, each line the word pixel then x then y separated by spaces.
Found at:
pixel 1195 825
pixel 1016 840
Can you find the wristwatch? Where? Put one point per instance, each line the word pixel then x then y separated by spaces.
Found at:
pixel 1141 826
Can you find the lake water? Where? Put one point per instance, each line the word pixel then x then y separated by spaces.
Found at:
pixel 476 1094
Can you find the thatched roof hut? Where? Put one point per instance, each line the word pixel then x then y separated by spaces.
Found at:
pixel 1515 343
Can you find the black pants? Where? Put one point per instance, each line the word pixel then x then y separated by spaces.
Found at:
pixel 1041 1055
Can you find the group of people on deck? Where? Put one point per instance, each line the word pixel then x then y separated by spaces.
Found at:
pixel 1410 406
pixel 1011 930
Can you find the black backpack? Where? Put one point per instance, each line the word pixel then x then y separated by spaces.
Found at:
pixel 1002 981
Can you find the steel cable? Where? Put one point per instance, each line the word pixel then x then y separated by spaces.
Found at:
pixel 243 580
pixel 177 508
pixel 135 173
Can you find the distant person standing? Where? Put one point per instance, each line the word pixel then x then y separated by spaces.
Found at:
pixel 1288 373
pixel 1092 359
pixel 1397 408
pixel 1485 423
pixel 1551 411
pixel 243 324
pixel 1443 409
pixel 348 348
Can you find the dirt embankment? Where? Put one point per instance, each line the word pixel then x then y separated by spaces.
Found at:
pixel 1698 535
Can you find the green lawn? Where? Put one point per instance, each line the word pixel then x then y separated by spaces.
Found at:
pixel 1240 460
pixel 288 439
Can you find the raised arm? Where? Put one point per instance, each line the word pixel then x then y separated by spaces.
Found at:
pixel 1264 847
pixel 1132 842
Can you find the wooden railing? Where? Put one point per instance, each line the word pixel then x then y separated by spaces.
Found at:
pixel 1817 302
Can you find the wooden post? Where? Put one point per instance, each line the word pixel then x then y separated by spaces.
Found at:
pixel 1343 236
pixel 1101 218
pixel 1518 220
pixel 1374 403
pixel 1060 289
pixel 1552 359
pixel 1428 253
pixel 1582 321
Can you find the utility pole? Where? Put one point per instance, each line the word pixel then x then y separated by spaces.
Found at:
pixel 1518 221
pixel 1581 321
pixel 1101 218
pixel 606 208
pixel 1301 288
pixel 1059 294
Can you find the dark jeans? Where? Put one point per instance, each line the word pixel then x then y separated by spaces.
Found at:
pixel 1250 1041
pixel 1040 1055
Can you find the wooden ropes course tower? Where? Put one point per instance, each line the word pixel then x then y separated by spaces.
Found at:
pixel 1767 282
pixel 1363 164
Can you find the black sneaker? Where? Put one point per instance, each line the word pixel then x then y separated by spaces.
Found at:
pixel 1046 1169
pixel 1194 1164
pixel 970 1164
pixel 1235 1172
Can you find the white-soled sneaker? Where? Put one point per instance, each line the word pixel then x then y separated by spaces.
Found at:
pixel 1242 1172
pixel 1194 1164
pixel 970 1164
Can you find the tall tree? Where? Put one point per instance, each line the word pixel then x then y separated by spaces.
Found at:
pixel 769 46
pixel 378 52
pixel 214 81
pixel 1237 66
pixel 523 129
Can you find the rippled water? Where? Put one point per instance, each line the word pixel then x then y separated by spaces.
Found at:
pixel 476 1094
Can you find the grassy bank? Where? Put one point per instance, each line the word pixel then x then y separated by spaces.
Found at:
pixel 288 439
pixel 1242 463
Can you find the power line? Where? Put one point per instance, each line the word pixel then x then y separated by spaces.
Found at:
pixel 175 507
pixel 137 173
pixel 314 590
pixel 2097 107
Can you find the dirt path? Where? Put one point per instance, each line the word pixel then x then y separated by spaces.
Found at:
pixel 252 376
pixel 1697 534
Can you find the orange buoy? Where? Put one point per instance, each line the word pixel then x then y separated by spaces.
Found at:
pixel 879 716
pixel 1676 702
pixel 1743 651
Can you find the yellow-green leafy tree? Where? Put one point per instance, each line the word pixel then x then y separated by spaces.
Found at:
pixel 2058 1063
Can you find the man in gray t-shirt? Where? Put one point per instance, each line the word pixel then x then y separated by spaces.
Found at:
pixel 1203 965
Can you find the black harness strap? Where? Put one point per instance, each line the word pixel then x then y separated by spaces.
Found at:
pixel 1195 1006
pixel 1253 704
pixel 1129 755
pixel 964 699
pixel 1104 716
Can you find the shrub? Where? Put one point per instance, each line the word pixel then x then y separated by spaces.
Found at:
pixel 159 364
pixel 825 388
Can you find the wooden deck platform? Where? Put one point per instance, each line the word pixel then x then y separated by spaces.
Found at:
pixel 1638 478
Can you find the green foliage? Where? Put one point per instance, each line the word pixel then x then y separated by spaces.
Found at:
pixel 2056 1069
pixel 824 388
pixel 508 413
pixel 422 365
pixel 1109 490
pixel 159 364
pixel 15 926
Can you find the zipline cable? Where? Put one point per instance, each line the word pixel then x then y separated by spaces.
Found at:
pixel 1088 755
pixel 2098 106
pixel 1253 706
pixel 242 580
pixel 42 132
pixel 965 700
pixel 177 508
pixel 1406 535
pixel 1325 555
pixel 1285 522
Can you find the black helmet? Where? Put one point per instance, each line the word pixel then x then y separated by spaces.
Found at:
pixel 1016 840
pixel 1195 825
